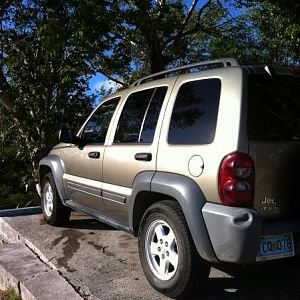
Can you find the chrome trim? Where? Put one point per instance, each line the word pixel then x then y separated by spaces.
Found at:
pixel 117 189
pixel 84 189
pixel 113 197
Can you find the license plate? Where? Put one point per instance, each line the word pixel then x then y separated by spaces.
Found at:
pixel 276 246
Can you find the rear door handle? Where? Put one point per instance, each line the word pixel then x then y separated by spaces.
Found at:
pixel 94 154
pixel 143 156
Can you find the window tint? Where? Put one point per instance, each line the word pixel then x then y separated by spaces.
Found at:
pixel 195 112
pixel 139 116
pixel 96 128
pixel 273 107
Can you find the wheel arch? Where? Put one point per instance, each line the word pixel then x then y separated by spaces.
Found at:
pixel 143 200
pixel 53 164
pixel 151 187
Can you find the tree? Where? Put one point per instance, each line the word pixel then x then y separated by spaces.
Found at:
pixel 272 31
pixel 149 36
pixel 279 33
pixel 44 69
pixel 45 53
pixel 49 49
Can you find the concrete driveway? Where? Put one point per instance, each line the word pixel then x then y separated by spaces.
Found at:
pixel 102 263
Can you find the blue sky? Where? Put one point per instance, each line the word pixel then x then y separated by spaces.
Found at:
pixel 96 82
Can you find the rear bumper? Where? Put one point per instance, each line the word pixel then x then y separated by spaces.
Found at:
pixel 234 232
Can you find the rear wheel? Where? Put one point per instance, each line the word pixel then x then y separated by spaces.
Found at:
pixel 55 213
pixel 167 253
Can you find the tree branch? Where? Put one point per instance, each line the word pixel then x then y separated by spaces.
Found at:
pixel 201 12
pixel 7 97
pixel 182 33
pixel 188 16
pixel 111 78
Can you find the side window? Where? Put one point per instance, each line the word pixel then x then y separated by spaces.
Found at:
pixel 139 116
pixel 96 128
pixel 195 112
pixel 150 122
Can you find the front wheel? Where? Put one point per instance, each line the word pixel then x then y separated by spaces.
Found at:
pixel 55 213
pixel 168 256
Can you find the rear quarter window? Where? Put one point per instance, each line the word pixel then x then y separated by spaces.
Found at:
pixel 195 112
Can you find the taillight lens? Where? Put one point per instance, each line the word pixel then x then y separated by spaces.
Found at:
pixel 236 180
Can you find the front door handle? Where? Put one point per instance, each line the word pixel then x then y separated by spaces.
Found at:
pixel 143 156
pixel 94 154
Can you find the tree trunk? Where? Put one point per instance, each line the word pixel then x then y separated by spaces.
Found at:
pixel 157 63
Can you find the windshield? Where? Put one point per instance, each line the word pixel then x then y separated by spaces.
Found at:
pixel 273 107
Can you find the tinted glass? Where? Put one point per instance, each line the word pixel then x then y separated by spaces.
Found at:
pixel 195 112
pixel 139 116
pixel 96 128
pixel 152 115
pixel 274 107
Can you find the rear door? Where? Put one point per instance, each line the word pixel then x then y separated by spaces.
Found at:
pixel 274 143
pixel 187 144
pixel 133 145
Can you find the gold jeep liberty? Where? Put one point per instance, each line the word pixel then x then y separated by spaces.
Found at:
pixel 200 162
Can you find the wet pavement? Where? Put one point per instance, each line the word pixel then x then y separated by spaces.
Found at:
pixel 103 263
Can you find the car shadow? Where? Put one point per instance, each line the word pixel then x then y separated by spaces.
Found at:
pixel 78 221
pixel 268 280
pixel 88 224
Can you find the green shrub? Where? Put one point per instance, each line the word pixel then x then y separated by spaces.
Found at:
pixel 17 187
pixel 10 294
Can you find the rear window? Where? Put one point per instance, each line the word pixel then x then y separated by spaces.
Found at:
pixel 273 107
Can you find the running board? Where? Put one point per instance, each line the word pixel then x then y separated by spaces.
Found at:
pixel 98 216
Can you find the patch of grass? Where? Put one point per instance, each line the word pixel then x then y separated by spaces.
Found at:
pixel 9 294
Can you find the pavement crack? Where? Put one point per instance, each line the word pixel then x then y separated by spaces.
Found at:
pixel 42 259
pixel 51 258
pixel 104 248
pixel 19 288
pixel 83 292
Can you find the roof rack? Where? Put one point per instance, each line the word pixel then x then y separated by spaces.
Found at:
pixel 225 62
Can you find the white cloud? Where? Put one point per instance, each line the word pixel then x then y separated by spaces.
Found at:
pixel 106 84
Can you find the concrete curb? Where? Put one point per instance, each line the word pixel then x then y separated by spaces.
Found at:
pixel 41 280
pixel 11 235
pixel 32 279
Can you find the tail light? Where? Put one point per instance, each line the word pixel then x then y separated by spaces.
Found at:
pixel 236 180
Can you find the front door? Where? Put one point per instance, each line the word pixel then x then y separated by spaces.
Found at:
pixel 83 162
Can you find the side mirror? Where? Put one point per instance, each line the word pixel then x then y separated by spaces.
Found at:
pixel 67 136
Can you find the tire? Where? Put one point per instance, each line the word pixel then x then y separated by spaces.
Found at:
pixel 168 255
pixel 55 213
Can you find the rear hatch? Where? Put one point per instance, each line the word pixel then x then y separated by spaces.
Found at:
pixel 274 142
